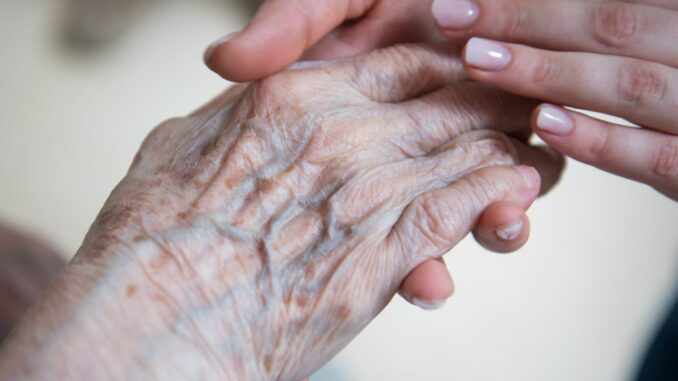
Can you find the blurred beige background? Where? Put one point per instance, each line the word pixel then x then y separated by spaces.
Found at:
pixel 579 302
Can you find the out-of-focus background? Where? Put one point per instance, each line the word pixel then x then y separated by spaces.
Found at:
pixel 580 302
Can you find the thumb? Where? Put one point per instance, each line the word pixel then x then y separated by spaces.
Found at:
pixel 278 35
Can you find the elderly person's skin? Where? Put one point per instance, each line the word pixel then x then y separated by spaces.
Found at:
pixel 630 69
pixel 255 238
pixel 615 57
pixel 282 31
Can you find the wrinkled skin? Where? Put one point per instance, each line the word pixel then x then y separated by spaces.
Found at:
pixel 255 238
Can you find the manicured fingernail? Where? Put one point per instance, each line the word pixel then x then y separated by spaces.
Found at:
pixel 554 120
pixel 486 55
pixel 428 304
pixel 455 14
pixel 510 231
pixel 209 52
pixel 530 176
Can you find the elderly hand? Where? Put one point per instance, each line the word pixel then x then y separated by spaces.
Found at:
pixel 256 237
pixel 615 57
pixel 285 30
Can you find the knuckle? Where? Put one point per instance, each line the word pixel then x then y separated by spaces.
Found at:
pixel 641 84
pixel 160 136
pixel 600 146
pixel 665 160
pixel 276 86
pixel 325 143
pixel 485 148
pixel 431 222
pixel 376 78
pixel 165 128
pixel 615 24
pixel 518 20
pixel 545 70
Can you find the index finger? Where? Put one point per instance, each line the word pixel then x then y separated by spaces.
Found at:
pixel 278 35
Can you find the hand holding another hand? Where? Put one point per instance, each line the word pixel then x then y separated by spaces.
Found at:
pixel 256 237
pixel 615 57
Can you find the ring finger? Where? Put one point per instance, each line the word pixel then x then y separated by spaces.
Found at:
pixel 636 90
pixel 643 155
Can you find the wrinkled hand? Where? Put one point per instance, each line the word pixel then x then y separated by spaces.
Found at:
pixel 615 57
pixel 285 30
pixel 259 235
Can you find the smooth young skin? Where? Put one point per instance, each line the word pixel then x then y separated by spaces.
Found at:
pixel 619 58
pixel 253 239
pixel 631 74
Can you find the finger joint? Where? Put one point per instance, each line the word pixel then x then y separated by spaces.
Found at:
pixel 545 70
pixel 518 20
pixel 615 24
pixel 665 160
pixel 601 146
pixel 431 224
pixel 641 85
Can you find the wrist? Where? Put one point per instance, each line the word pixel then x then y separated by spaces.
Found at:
pixel 110 315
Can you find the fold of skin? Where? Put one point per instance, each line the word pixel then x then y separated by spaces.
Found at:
pixel 253 239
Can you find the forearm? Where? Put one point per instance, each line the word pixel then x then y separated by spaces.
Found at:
pixel 110 317
pixel 255 238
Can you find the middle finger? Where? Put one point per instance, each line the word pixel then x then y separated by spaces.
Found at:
pixel 610 27
pixel 639 91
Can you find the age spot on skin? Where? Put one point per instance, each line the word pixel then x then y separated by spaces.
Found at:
pixel 302 301
pixel 197 183
pixel 131 290
pixel 342 312
pixel 287 298
pixel 309 274
pixel 268 362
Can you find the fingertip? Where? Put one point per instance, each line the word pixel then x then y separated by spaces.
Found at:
pixel 552 121
pixel 549 165
pixel 503 227
pixel 532 182
pixel 212 48
pixel 227 58
pixel 428 286
pixel 555 125
pixel 254 53
pixel 239 61
pixel 454 18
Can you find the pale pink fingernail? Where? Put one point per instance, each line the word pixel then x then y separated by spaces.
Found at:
pixel 209 52
pixel 455 14
pixel 510 231
pixel 554 120
pixel 428 304
pixel 486 55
